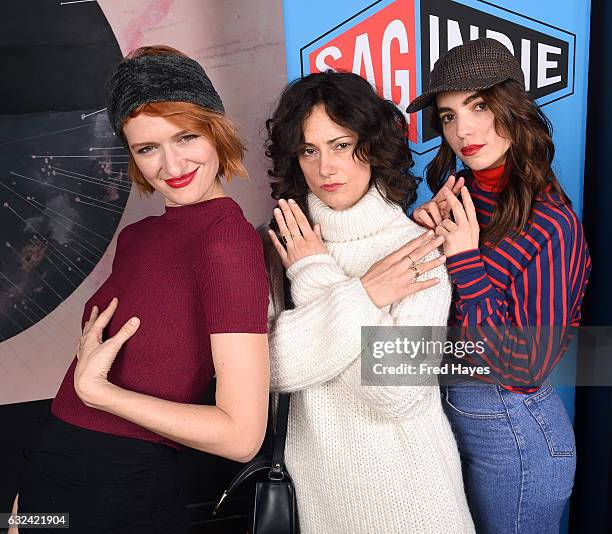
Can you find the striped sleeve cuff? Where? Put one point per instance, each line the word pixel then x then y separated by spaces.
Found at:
pixel 468 274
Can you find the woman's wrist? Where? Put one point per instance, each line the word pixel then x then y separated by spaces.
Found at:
pixel 319 258
pixel 99 396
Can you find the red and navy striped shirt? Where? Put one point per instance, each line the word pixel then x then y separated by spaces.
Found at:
pixel 537 278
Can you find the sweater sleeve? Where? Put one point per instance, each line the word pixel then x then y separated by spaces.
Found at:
pixel 424 308
pixel 329 343
pixel 314 342
pixel 312 276
pixel 545 290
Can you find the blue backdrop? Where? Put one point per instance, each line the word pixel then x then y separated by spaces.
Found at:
pixel 558 48
pixel 394 44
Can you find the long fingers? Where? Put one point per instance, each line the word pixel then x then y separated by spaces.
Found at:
pixel 103 319
pixel 450 182
pixel 125 333
pixel 428 214
pixel 427 266
pixel 92 319
pixel 420 285
pixel 95 311
pixel 418 253
pixel 457 186
pixel 279 248
pixel 441 231
pixel 280 220
pixel 300 218
pixel 468 204
pixel 435 212
pixel 416 249
pixel 455 206
pixel 292 224
pixel 453 184
pixel 421 216
pixel 412 245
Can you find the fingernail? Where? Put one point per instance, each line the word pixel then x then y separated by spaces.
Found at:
pixel 282 201
pixel 291 201
pixel 443 258
pixel 134 321
pixel 430 233
pixel 276 210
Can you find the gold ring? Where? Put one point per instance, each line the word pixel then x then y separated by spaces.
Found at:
pixel 416 272
pixel 412 264
pixel 286 238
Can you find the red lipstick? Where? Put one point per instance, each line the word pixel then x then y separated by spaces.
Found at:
pixel 331 187
pixel 471 150
pixel 182 181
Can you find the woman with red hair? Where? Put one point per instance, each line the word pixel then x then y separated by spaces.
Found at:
pixel 187 300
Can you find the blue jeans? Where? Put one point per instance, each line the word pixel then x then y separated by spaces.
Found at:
pixel 518 455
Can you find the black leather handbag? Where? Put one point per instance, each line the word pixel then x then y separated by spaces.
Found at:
pixel 274 508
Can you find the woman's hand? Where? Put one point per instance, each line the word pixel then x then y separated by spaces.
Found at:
pixel 395 276
pixel 300 239
pixel 95 357
pixel 464 233
pixel 432 213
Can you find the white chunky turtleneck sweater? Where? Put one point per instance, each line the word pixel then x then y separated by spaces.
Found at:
pixel 364 459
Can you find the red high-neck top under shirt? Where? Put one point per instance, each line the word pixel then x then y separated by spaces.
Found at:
pixel 490 179
pixel 194 271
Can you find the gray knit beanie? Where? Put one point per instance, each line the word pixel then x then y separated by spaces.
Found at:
pixel 157 78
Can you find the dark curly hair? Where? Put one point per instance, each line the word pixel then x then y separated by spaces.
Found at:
pixel 351 102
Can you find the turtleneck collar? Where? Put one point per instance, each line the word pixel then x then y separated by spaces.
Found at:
pixel 198 209
pixel 369 216
pixel 490 179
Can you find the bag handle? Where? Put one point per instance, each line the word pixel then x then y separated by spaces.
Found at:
pixel 280 436
pixel 282 413
pixel 280 433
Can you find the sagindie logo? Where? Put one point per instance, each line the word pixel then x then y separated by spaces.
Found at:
pixel 381 48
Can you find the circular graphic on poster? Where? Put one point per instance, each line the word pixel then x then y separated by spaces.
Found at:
pixel 63 185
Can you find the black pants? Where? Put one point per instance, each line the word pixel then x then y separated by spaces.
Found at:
pixel 107 483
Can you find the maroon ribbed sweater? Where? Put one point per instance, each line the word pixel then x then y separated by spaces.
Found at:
pixel 194 271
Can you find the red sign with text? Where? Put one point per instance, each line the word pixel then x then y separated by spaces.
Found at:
pixel 381 49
